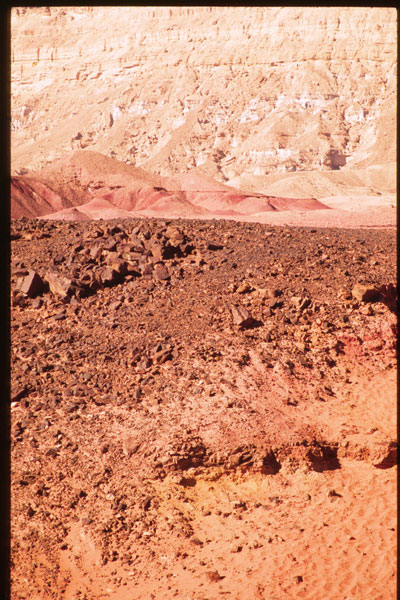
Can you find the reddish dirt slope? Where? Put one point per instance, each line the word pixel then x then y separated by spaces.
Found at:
pixel 30 197
pixel 85 177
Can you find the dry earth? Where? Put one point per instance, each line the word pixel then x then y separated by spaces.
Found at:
pixel 202 410
pixel 203 303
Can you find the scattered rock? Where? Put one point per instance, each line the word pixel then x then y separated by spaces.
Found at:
pixel 196 541
pixel 17 393
pixel 365 293
pixel 110 244
pixel 242 317
pixel 96 251
pixel 31 285
pixel 59 284
pixel 145 363
pixel 213 576
pixel 60 316
pixel 109 276
pixel 162 356
pixel 214 246
pixel 37 303
pixel 161 271
pixel 115 305
pixel 300 303
pixel 244 288
pixel 52 452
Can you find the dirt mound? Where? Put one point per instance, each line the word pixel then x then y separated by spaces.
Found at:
pixel 205 191
pixel 97 183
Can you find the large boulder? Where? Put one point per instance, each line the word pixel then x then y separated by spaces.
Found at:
pixel 59 284
pixel 365 293
pixel 31 285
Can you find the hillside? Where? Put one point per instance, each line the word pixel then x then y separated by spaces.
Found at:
pixel 237 90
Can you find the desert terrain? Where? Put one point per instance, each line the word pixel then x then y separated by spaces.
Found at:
pixel 203 303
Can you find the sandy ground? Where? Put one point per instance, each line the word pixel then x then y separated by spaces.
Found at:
pixel 291 535
pixel 345 211
pixel 295 541
pixel 299 534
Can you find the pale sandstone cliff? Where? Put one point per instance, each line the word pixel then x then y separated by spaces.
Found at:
pixel 240 91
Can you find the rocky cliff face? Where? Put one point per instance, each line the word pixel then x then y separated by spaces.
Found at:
pixel 237 90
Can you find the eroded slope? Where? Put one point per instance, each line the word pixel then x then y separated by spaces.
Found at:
pixel 238 90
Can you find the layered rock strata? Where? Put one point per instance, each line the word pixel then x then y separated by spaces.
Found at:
pixel 235 89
